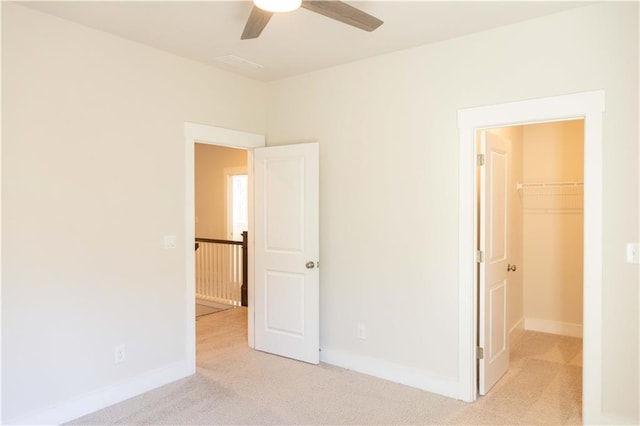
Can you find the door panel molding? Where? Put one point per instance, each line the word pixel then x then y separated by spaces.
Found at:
pixel 493 220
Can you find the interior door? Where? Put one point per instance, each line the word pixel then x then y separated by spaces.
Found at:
pixel 493 333
pixel 286 285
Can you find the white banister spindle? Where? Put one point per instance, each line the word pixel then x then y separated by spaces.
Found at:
pixel 219 272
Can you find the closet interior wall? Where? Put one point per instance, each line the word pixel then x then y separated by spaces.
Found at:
pixel 552 226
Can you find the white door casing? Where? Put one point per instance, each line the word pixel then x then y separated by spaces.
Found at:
pixel 286 282
pixel 493 333
pixel 587 105
pixel 200 133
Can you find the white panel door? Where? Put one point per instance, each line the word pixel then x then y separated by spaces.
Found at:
pixel 286 300
pixel 493 333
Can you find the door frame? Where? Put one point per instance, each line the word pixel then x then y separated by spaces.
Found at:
pixel 200 133
pixel 590 107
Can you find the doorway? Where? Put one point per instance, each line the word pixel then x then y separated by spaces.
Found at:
pixel 198 133
pixel 530 222
pixel 274 173
pixel 221 218
pixel 590 107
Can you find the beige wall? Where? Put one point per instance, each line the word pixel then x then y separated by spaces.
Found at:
pixel 211 187
pixel 85 205
pixel 553 227
pixel 388 133
pixel 93 177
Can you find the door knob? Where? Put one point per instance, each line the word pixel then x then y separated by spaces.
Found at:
pixel 511 268
pixel 310 265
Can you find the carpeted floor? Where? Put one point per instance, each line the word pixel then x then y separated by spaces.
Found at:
pixel 236 385
pixel 542 387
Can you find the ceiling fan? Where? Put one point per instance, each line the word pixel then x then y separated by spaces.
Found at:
pixel 263 10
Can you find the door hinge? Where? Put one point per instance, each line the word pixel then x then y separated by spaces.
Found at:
pixel 480 159
pixel 479 353
pixel 479 256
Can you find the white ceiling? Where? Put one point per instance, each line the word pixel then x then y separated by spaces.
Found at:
pixel 296 42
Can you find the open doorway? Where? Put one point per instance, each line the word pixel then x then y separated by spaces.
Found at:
pixel 221 226
pixel 277 177
pixel 590 107
pixel 198 133
pixel 530 283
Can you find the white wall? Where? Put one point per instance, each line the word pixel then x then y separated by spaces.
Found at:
pixel 388 144
pixel 93 175
pixel 553 228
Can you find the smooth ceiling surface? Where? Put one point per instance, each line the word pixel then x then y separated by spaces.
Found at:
pixel 295 42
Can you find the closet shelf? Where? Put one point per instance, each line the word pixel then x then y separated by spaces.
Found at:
pixel 552 196
pixel 538 185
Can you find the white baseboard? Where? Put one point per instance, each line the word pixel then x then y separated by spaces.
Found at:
pixel 553 327
pixel 66 411
pixel 390 371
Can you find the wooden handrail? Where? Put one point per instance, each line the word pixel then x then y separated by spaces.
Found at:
pixel 210 240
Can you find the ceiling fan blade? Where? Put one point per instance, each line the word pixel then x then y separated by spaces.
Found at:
pixel 256 23
pixel 341 11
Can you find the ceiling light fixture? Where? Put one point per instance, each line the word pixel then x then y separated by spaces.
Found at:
pixel 278 5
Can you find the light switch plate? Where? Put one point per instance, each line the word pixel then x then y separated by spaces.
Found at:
pixel 170 241
pixel 633 252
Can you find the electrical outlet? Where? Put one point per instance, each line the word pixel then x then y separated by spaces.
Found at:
pixel 119 354
pixel 362 331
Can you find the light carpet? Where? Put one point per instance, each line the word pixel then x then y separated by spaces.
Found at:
pixel 236 385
